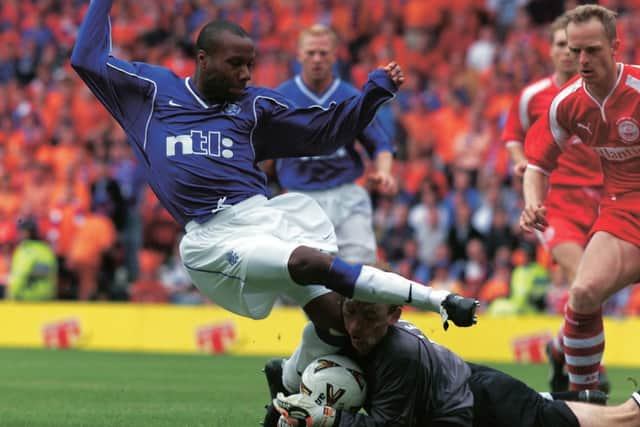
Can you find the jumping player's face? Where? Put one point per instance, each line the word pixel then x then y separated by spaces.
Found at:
pixel 317 55
pixel 226 71
pixel 594 52
pixel 563 60
pixel 367 323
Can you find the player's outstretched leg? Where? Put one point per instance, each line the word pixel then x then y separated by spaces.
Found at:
pixel 559 378
pixel 583 348
pixel 370 284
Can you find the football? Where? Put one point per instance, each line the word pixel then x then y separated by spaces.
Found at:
pixel 336 381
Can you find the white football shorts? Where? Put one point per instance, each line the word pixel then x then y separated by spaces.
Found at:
pixel 239 258
pixel 349 209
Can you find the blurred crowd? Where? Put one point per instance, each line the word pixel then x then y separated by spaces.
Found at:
pixel 69 179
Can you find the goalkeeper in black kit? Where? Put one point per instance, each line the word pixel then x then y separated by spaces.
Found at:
pixel 414 382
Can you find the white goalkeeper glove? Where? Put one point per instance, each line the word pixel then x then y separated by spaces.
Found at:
pixel 282 422
pixel 299 410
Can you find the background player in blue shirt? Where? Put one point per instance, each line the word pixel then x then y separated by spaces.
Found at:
pixel 200 138
pixel 414 382
pixel 330 179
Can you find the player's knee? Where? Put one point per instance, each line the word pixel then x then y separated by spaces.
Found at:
pixel 308 266
pixel 325 311
pixel 585 297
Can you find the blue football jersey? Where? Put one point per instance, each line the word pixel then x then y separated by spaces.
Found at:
pixel 342 166
pixel 200 158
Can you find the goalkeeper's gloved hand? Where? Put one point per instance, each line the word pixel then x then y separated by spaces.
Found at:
pixel 282 422
pixel 299 410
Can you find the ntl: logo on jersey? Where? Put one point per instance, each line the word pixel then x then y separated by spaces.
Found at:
pixel 200 143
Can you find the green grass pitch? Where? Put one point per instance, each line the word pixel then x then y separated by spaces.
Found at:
pixel 40 388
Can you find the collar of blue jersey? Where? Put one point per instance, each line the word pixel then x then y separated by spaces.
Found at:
pixel 320 99
pixel 194 92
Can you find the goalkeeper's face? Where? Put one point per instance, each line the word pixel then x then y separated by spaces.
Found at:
pixel 368 323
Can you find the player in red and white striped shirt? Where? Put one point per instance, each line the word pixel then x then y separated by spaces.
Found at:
pixel 576 183
pixel 602 107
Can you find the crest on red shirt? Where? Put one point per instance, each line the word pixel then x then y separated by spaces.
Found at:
pixel 628 130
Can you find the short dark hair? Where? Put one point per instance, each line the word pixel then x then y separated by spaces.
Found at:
pixel 210 33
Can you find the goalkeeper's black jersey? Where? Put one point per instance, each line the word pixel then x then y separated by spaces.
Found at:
pixel 413 382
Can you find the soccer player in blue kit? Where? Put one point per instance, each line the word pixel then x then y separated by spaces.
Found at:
pixel 200 139
pixel 330 179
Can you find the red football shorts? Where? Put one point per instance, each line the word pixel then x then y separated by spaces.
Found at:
pixel 571 212
pixel 620 216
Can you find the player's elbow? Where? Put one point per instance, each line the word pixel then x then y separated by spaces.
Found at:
pixel 81 57
pixel 77 60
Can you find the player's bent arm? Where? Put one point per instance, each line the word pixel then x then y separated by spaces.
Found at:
pixel 382 177
pixel 384 162
pixel 516 152
pixel 375 139
pixel 519 160
pixel 315 130
pixel 535 185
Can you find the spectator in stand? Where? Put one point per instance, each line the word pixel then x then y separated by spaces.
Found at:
pixel 429 234
pixel 501 234
pixel 429 200
pixel 410 265
pixel 392 242
pixel 91 256
pixel 34 268
pixel 106 197
pixel 442 278
pixel 497 286
pixel 476 270
pixel 462 230
pixel 471 144
pixel 176 280
pixel 481 53
pixel 462 189
pixel 129 175
pixel 529 284
pixel 148 288
pixel 482 218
